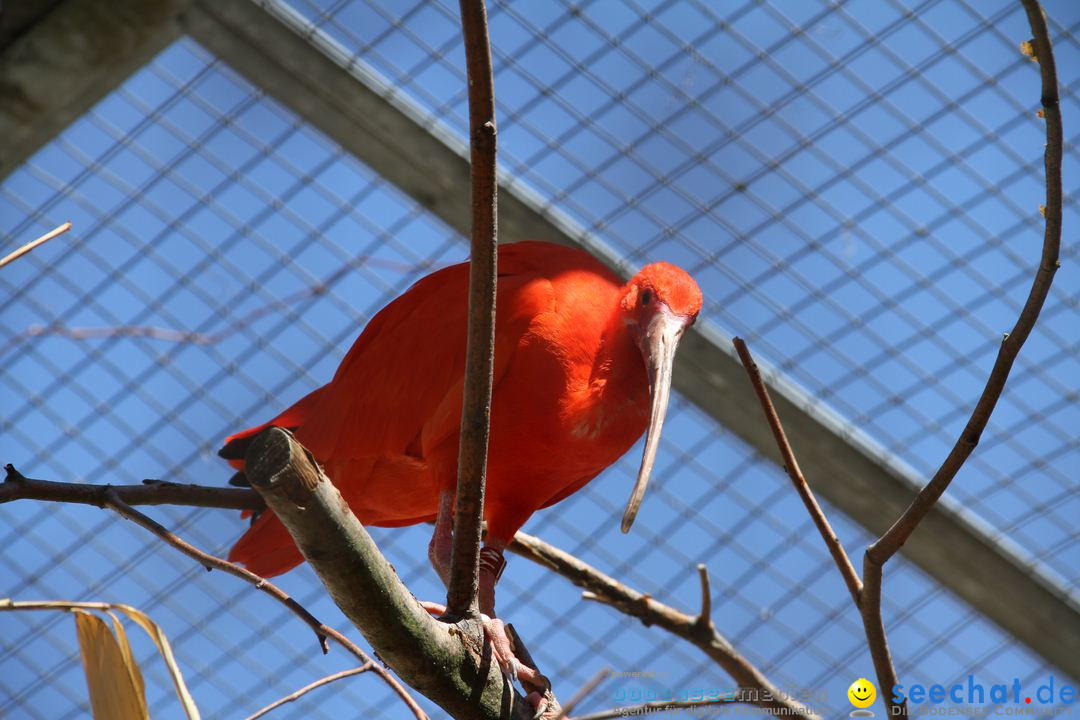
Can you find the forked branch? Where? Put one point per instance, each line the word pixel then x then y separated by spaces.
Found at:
pixel 867 595
pixel 893 539
pixel 688 627
pixel 609 591
pixel 117 498
pixel 877 640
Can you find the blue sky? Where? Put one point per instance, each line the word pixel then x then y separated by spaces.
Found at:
pixel 859 200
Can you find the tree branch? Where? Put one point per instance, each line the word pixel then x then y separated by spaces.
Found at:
pixel 791 466
pixel 582 693
pixel 19 252
pixel 893 539
pixel 476 408
pixel 450 664
pixel 876 639
pixel 116 497
pixel 704 618
pixel 152 492
pixel 882 550
pixel 655 706
pixel 606 589
pixel 308 688
pixel 867 596
pixel 581 574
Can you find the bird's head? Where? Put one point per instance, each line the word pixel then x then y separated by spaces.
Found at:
pixel 660 302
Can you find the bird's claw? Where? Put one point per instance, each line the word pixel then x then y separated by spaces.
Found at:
pixel 538 701
pixel 502 651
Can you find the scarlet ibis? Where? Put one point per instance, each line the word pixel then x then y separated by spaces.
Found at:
pixel 578 353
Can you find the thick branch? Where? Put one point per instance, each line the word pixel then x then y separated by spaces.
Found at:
pixel 451 664
pixel 476 408
pixel 18 487
pixel 606 589
pixel 889 543
pixel 791 466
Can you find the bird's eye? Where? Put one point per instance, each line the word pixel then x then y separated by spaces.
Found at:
pixel 646 297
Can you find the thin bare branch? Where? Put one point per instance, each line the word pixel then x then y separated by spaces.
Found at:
pixel 308 688
pixel 791 466
pixel 461 597
pixel 704 618
pixel 590 685
pixel 609 591
pixel 893 539
pixel 16 254
pixel 118 497
pixel 315 289
pixel 656 706
pixel 18 487
pixel 877 640
pixel 322 631
pixel 113 502
pixel 882 550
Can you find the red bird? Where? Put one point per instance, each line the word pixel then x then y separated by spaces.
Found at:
pixel 578 353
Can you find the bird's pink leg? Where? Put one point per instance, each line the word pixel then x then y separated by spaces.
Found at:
pixel 532 681
pixel 492 564
pixel 441 547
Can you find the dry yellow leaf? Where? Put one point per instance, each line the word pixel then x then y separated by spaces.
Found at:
pixel 165 649
pixel 120 643
pixel 129 658
pixel 114 693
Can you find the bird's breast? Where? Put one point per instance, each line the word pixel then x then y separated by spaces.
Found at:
pixel 568 425
pixel 607 417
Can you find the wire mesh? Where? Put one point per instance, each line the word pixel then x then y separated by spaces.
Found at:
pixel 855 185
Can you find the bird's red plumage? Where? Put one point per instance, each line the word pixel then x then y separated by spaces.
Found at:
pixel 570 397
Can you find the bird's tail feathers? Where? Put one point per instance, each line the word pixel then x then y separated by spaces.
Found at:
pixel 266 549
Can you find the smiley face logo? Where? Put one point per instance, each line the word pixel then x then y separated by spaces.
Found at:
pixel 862 693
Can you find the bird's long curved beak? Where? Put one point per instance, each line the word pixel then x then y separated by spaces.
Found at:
pixel 658 345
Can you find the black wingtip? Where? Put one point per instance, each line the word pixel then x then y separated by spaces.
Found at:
pixel 239 480
pixel 235 449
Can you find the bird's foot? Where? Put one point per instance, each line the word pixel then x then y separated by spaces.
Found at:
pixel 503 651
pixel 536 686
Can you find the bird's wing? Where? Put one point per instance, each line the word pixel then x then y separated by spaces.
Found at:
pixel 399 389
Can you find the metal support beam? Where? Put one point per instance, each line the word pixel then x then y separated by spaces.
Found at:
pixel 277 49
pixel 82 49
pixel 75 53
